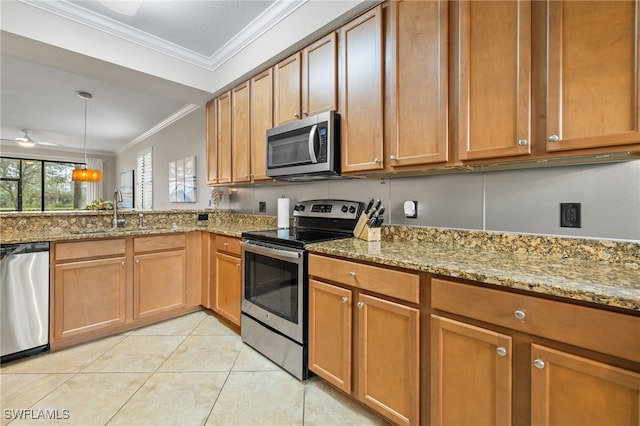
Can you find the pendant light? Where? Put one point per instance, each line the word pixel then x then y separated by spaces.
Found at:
pixel 84 174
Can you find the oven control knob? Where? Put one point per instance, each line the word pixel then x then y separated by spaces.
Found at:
pixel 345 209
pixel 352 209
pixel 298 207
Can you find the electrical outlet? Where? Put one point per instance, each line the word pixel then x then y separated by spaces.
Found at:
pixel 262 207
pixel 203 216
pixel 570 215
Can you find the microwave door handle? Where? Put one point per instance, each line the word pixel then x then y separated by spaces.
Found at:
pixel 312 138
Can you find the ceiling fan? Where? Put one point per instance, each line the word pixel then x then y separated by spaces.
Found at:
pixel 27 142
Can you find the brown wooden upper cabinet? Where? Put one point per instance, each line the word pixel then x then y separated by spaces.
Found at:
pixel 593 76
pixel 361 92
pixel 416 83
pixel 219 140
pixel 492 71
pixel 261 117
pixel 212 142
pixel 306 82
pixel 240 133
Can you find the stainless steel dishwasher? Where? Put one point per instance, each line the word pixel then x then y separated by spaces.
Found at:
pixel 24 299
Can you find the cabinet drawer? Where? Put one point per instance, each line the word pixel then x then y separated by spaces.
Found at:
pixel 228 244
pixel 159 242
pixel 398 284
pixel 87 249
pixel 591 328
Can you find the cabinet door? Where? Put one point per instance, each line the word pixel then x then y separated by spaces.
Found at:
pixel 593 74
pixel 493 73
pixel 470 374
pixel 361 92
pixel 212 142
pixel 88 296
pixel 159 282
pixel 330 325
pixel 388 358
pixel 570 390
pixel 418 84
pixel 261 119
pixel 224 138
pixel 320 76
pixel 228 297
pixel 240 133
pixel 287 85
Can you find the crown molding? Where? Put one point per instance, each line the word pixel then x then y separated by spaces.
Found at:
pixel 182 112
pixel 265 21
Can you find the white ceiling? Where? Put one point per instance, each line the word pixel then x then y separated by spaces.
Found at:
pixel 39 81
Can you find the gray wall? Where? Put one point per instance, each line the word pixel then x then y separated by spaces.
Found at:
pixel 184 138
pixel 524 201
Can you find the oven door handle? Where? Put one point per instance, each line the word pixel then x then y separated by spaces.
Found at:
pixel 271 251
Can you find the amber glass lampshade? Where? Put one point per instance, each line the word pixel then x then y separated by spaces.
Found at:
pixel 86 175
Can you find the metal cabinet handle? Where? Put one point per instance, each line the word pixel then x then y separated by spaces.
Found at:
pixel 225 244
pixel 123 263
pixel 352 274
pixel 519 314
pixel 538 363
pixel 392 157
pixel 344 299
pixel 376 160
pixel 305 113
pixel 501 351
pixel 360 305
pixel 554 138
pixel 296 115
pixel 237 265
pixel 522 142
pixel 137 260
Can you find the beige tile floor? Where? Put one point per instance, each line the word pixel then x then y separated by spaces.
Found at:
pixel 191 370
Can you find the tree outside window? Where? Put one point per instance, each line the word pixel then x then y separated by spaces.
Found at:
pixel 37 185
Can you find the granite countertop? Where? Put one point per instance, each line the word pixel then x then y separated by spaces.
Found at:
pixel 611 284
pixel 233 230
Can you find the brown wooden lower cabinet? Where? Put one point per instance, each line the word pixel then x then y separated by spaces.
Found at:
pixel 88 296
pixel 100 287
pixel 471 374
pixel 366 346
pixel 226 277
pixel 556 363
pixel 567 389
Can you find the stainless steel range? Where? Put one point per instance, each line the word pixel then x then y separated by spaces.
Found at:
pixel 274 279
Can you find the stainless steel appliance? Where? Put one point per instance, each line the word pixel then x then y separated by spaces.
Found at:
pixel 274 279
pixel 24 298
pixel 306 149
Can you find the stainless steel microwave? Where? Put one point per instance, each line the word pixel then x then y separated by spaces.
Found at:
pixel 307 149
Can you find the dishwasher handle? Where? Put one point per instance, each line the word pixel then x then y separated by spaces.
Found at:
pixel 21 248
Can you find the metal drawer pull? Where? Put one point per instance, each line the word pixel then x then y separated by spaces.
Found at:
pixel 344 299
pixel 360 305
pixel 137 260
pixel 520 315
pixel 554 138
pixel 123 263
pixel 538 363
pixel 352 274
pixel 501 351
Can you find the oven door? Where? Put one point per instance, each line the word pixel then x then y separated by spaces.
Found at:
pixel 273 287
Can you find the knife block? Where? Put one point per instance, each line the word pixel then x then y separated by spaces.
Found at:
pixel 363 232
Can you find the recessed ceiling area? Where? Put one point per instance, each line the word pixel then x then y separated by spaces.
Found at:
pixel 39 80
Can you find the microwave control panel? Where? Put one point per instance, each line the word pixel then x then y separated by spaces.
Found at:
pixel 322 146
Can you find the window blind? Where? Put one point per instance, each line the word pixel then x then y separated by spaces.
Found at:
pixel 144 183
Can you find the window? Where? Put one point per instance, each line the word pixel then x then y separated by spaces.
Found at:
pixel 144 173
pixel 36 185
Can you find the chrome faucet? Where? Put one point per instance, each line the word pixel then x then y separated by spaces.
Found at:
pixel 117 198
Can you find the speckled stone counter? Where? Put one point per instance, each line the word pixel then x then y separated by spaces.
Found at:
pixel 605 282
pixel 604 272
pixel 82 225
